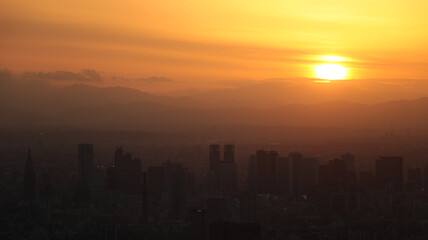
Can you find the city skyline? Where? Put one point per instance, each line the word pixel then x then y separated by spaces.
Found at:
pixel 214 120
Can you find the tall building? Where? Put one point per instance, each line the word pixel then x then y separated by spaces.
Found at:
pixel 29 180
pixel 214 157
pixel 296 174
pixel 351 174
pixel 252 174
pixel 155 182
pixel 91 179
pixel 227 172
pixel 214 160
pixel 333 174
pixel 85 163
pixel 284 170
pixel 127 172
pixel 289 175
pixel 349 161
pixel 308 175
pixel 270 172
pixel 229 153
pixel 118 155
pixel 389 173
pixel 227 178
pixel 169 186
pixel 339 173
pixel 264 171
pixel 144 201
pixel 222 175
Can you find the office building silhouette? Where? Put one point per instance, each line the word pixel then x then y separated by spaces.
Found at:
pixel 389 173
pixel 29 180
pixel 85 163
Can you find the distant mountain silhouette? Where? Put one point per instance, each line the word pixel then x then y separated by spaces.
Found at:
pixel 86 95
pixel 279 92
pixel 45 99
pixel 124 108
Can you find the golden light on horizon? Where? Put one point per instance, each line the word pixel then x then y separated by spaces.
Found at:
pixel 332 58
pixel 330 71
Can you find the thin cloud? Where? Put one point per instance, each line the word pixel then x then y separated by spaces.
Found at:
pixel 154 79
pixel 5 74
pixel 86 75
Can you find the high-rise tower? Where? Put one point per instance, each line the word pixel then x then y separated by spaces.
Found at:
pixel 29 180
pixel 229 153
pixel 214 156
pixel 85 163
pixel 389 173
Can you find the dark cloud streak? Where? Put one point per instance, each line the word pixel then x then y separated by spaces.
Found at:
pixel 5 74
pixel 154 79
pixel 86 75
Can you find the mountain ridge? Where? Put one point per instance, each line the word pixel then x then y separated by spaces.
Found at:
pixel 127 108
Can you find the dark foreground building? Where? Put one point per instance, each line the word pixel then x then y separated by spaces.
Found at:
pixel 389 173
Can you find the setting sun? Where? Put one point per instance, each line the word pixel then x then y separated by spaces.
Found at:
pixel 330 71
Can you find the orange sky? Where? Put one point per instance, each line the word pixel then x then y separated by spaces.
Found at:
pixel 202 41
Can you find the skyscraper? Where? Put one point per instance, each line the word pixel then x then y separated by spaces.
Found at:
pixel 29 180
pixel 214 160
pixel 214 157
pixel 229 153
pixel 296 174
pixel 333 174
pixel 284 170
pixel 339 173
pixel 227 171
pixel 271 162
pixel 263 171
pixel 85 163
pixel 266 166
pixel 252 174
pixel 389 173
pixel 222 175
pixel 144 201
pixel 127 172
pixel 296 161
pixel 308 175
pixel 170 183
pixel 351 174
pixel 348 158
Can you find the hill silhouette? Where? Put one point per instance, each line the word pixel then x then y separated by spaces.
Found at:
pixel 125 108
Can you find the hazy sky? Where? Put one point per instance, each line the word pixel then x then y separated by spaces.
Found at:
pixel 202 41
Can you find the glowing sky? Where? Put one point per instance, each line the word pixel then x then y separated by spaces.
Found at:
pixel 197 40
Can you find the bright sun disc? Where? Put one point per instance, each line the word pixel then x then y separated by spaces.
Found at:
pixel 329 71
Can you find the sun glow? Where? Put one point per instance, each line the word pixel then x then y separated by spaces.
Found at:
pixel 332 58
pixel 330 71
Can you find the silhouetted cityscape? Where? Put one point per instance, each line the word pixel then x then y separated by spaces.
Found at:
pixel 214 120
pixel 281 196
